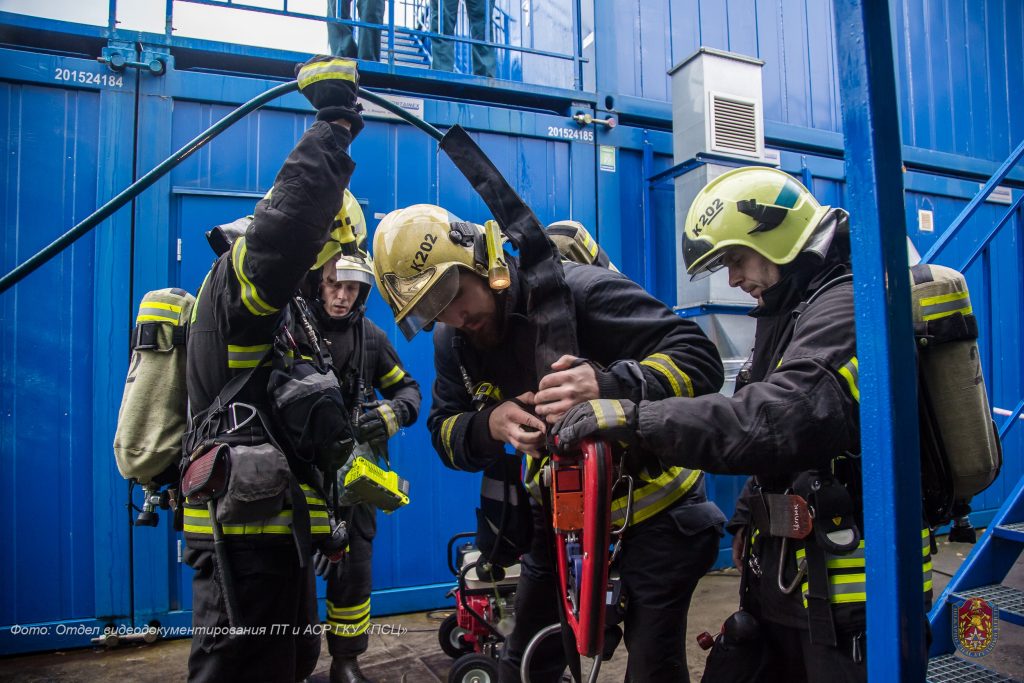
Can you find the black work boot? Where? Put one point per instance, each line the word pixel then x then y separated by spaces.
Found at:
pixel 346 670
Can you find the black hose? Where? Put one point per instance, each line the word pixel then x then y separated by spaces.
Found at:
pixel 37 260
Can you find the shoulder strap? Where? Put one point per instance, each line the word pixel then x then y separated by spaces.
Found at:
pixel 834 282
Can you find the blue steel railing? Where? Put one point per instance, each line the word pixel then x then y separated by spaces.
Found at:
pixel 415 14
pixel 954 229
pixel 1014 213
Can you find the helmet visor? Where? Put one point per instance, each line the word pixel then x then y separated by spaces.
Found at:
pixel 699 257
pixel 435 292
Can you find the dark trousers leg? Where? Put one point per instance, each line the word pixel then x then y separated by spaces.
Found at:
pixel 348 588
pixel 372 12
pixel 479 13
pixel 794 659
pixel 660 566
pixel 277 604
pixel 339 36
pixel 535 609
pixel 443 51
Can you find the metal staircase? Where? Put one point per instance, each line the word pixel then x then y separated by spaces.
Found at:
pixel 983 572
pixel 409 50
pixel 981 576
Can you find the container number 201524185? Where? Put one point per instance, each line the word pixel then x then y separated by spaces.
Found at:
pixel 581 135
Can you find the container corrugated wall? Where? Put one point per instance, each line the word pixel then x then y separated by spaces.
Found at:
pixel 70 555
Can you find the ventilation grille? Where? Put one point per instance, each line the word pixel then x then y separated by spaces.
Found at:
pixel 733 126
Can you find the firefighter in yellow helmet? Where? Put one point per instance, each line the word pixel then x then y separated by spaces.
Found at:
pixel 385 398
pixel 793 423
pixel 432 268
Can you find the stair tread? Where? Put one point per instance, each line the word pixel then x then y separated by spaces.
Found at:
pixel 953 669
pixel 1007 599
pixel 1018 526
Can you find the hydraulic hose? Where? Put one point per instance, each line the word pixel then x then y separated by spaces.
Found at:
pixel 531 648
pixel 135 189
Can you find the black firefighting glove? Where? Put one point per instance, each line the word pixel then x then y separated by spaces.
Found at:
pixel 331 85
pixel 380 422
pixel 603 418
pixel 330 552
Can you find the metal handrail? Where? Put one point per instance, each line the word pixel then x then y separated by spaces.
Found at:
pixel 1011 420
pixel 129 193
pixel 992 233
pixel 385 27
pixel 969 210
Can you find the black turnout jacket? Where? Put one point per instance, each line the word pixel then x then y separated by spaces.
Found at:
pixel 646 349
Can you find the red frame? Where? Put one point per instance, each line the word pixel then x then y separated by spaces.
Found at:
pixel 597 488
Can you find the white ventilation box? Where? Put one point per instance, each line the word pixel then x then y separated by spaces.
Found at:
pixel 717 106
pixel 717 110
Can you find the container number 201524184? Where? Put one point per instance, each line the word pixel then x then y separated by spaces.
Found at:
pixel 88 77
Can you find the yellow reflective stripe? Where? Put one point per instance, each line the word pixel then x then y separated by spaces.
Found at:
pixel 534 467
pixel 446 436
pixel 590 245
pixel 851 373
pixel 655 495
pixel 350 612
pixel 603 411
pixel 143 318
pixel 677 379
pixel 199 294
pixel 310 494
pixel 344 69
pixel 174 308
pixel 197 520
pixel 850 587
pixel 933 307
pixel 250 296
pixel 390 419
pixel 393 376
pixel 246 356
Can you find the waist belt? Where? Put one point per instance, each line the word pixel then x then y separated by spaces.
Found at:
pixel 822 629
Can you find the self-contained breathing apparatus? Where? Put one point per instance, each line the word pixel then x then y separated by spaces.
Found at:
pixel 244 462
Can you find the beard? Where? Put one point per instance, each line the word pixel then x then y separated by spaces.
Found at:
pixel 486 336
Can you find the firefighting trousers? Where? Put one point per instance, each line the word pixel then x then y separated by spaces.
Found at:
pixel 662 559
pixel 278 637
pixel 349 585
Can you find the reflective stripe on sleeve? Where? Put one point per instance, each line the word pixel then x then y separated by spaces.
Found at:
pixel 250 294
pixel 851 373
pixel 343 69
pixel 393 376
pixel 677 379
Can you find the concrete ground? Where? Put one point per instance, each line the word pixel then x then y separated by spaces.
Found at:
pixel 415 657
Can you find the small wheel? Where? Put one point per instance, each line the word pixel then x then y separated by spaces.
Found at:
pixel 473 668
pixel 450 636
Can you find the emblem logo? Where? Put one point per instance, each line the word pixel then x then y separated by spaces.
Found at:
pixel 976 626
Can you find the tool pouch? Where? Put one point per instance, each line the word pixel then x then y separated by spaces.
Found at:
pixel 835 524
pixel 256 489
pixel 206 475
